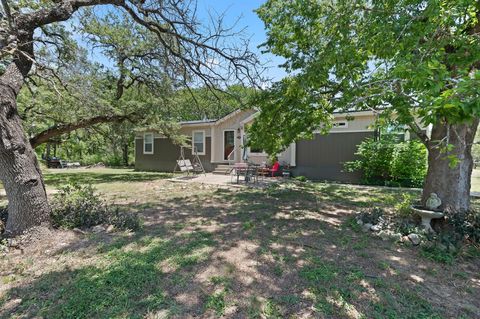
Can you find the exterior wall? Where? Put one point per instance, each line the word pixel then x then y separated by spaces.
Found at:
pixel 232 123
pixel 322 158
pixel 165 155
pixel 359 123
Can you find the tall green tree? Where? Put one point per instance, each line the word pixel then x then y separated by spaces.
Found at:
pixel 416 59
pixel 26 27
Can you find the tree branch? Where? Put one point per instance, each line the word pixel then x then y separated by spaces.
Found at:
pixel 60 129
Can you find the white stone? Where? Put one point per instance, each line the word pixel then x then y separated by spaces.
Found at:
pixel 98 229
pixel 376 228
pixel 414 238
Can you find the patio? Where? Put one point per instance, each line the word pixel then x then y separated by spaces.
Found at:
pixel 226 180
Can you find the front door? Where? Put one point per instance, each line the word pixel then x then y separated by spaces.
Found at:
pixel 228 145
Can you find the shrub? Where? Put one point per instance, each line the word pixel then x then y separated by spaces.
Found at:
pixel 391 162
pixel 466 225
pixel 3 219
pixel 77 206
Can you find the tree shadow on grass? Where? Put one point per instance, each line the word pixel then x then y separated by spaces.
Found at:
pixel 270 253
pixel 97 178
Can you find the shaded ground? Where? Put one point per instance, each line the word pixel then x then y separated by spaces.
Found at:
pixel 204 251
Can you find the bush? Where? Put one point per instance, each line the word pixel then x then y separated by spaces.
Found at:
pixel 390 162
pixel 77 206
pixel 3 219
pixel 466 225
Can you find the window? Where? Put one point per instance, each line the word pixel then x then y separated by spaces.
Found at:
pixel 198 142
pixel 148 143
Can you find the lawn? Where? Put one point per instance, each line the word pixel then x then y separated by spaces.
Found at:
pixel 287 251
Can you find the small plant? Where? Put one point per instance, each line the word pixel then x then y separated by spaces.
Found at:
pixel 217 303
pixel 248 225
pixel 77 206
pixel 435 251
pixel 301 179
pixel 403 208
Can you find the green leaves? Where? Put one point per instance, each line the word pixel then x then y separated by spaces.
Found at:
pixel 418 58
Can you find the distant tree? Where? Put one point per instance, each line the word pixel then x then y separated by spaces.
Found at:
pixel 29 27
pixel 416 59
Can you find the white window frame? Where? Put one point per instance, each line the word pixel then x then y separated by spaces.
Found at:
pixel 204 142
pixel 153 143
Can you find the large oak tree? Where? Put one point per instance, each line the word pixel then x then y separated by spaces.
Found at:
pixel 201 54
pixel 412 58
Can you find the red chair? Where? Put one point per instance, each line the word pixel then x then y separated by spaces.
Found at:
pixel 275 169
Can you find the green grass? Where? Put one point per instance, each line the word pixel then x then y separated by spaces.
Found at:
pixel 122 283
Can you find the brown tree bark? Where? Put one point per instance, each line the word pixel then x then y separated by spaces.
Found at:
pixel 450 182
pixel 61 129
pixel 19 169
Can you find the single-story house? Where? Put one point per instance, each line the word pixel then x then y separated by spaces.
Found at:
pixel 220 142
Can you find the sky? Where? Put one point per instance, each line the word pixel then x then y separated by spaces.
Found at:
pixel 236 11
pixel 243 11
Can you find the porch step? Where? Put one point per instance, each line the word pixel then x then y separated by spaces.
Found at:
pixel 222 169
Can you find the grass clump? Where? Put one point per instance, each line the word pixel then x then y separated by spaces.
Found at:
pixel 78 206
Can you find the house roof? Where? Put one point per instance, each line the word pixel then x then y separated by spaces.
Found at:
pixel 196 122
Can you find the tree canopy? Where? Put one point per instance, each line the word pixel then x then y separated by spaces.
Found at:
pixel 414 58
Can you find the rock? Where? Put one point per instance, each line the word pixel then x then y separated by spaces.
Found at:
pixel 376 228
pixel 414 238
pixel 98 229
pixel 366 227
pixel 397 237
pixel 433 202
pixel 110 229
pixel 405 239
pixel 359 222
pixel 78 230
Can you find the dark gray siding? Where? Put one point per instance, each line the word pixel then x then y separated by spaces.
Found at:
pixel 165 155
pixel 322 157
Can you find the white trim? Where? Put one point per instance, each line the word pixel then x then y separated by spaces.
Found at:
pixel 226 117
pixel 153 143
pixel 204 142
pixel 350 131
pixel 293 154
pixel 356 113
pixel 197 124
pixel 250 118
pixel 234 144
pixel 212 144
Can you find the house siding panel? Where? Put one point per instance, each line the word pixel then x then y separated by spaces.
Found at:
pixel 165 155
pixel 322 157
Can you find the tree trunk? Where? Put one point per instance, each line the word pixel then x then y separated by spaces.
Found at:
pixel 19 169
pixel 450 182
pixel 125 154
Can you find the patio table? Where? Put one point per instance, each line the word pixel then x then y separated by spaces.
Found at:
pixel 249 171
